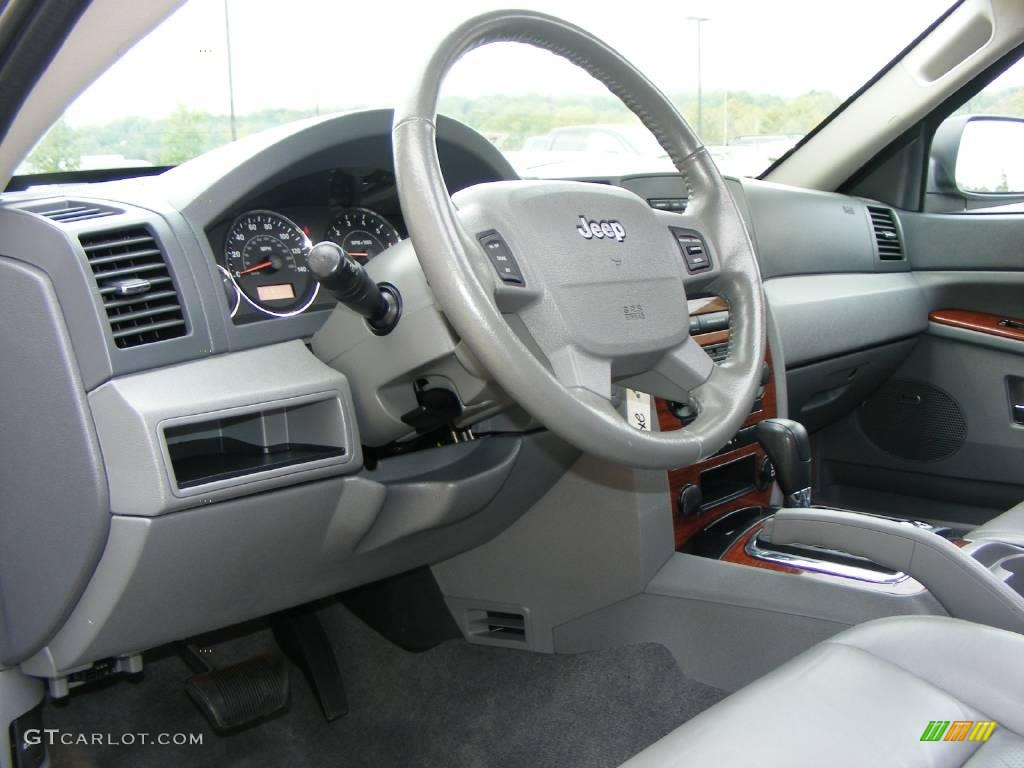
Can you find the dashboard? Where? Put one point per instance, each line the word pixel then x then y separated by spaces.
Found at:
pixel 201 396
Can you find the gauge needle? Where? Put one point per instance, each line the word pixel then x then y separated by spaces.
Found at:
pixel 257 268
pixel 358 254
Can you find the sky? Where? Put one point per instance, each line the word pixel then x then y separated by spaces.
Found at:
pixel 336 54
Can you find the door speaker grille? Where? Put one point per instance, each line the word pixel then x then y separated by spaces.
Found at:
pixel 913 420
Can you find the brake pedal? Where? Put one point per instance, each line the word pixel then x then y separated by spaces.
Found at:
pixel 242 695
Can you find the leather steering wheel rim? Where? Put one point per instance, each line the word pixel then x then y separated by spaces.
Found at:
pixel 458 272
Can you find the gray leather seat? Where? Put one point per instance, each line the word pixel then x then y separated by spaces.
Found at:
pixel 1008 527
pixel 865 698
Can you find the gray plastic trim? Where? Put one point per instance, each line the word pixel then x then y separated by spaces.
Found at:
pixel 964 241
pixel 727 624
pixel 778 352
pixel 974 338
pixel 823 392
pixel 823 316
pixel 131 413
pixel 54 503
pixel 169 577
pixel 443 494
pixel 965 587
pixel 983 290
pixel 382 369
pixel 801 232
pixel 18 695
pixel 317 418
pixel 596 537
pixel 55 249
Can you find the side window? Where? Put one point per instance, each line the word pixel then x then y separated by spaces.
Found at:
pixel 977 158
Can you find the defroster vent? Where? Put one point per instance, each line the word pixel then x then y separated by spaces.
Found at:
pixel 138 292
pixel 71 212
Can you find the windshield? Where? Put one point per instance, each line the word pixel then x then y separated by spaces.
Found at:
pixel 751 77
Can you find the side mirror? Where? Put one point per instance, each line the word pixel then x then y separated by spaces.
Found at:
pixel 977 161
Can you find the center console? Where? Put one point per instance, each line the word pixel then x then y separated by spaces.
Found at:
pixel 981 581
pixel 739 475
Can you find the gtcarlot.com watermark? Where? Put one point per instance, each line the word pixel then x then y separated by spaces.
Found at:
pixel 54 736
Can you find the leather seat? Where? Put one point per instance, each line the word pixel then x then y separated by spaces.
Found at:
pixel 865 698
pixel 1008 527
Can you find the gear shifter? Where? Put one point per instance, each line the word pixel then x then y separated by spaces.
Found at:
pixel 787 445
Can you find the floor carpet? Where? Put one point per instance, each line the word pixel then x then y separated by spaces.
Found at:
pixel 457 705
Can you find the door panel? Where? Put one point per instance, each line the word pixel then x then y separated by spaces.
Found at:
pixel 939 440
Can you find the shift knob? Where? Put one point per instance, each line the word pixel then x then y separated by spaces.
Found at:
pixel 789 448
pixel 352 285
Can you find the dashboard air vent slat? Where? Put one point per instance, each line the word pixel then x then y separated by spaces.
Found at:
pixel 887 234
pixel 138 293
pixel 69 212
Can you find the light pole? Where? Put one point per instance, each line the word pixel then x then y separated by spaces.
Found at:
pixel 231 79
pixel 700 82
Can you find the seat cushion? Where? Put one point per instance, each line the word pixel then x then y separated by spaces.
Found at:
pixel 866 697
pixel 1008 527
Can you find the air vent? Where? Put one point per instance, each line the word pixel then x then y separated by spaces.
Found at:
pixel 497 627
pixel 138 292
pixel 68 212
pixel 887 234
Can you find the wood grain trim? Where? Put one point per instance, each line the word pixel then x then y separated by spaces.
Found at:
pixel 714 337
pixel 737 554
pixel 980 322
pixel 684 528
pixel 704 306
pixel 677 478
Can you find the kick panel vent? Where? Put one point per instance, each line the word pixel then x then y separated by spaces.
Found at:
pixel 887 234
pixel 138 292
pixel 69 211
pixel 497 627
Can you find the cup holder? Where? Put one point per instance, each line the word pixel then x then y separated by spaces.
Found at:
pixel 1004 561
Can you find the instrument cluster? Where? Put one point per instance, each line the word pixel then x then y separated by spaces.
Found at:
pixel 262 251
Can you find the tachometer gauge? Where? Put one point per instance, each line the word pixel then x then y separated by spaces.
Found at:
pixel 265 254
pixel 362 233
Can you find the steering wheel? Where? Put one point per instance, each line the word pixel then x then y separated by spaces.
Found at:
pixel 563 289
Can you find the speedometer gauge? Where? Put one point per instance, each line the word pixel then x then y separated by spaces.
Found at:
pixel 265 254
pixel 362 233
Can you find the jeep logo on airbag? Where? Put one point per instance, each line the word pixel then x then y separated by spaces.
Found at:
pixel 606 229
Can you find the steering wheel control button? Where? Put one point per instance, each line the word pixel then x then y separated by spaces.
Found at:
pixel 677 204
pixel 694 249
pixel 501 257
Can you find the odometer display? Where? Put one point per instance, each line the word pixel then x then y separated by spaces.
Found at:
pixel 362 233
pixel 265 254
pixel 275 292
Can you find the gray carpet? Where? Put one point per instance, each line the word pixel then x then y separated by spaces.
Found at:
pixel 457 705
